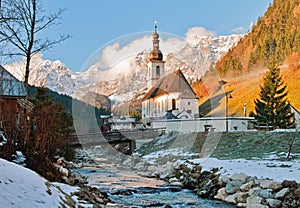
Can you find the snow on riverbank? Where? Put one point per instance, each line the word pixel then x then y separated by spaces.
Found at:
pixel 272 169
pixel 21 187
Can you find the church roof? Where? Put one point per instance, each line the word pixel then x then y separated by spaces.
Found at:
pixel 172 83
pixel 9 85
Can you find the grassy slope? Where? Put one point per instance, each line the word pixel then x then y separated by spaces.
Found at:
pixel 233 145
pixel 245 89
pixel 255 144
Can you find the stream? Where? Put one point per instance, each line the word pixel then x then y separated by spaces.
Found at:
pixel 127 188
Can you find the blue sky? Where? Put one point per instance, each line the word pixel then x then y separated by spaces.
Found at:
pixel 93 23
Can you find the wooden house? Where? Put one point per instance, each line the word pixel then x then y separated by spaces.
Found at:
pixel 14 107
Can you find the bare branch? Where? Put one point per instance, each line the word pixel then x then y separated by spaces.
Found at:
pixel 21 21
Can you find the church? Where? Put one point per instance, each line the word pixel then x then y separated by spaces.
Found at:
pixel 169 96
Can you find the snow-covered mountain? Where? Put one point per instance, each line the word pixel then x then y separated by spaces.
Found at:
pixel 127 78
pixel 51 74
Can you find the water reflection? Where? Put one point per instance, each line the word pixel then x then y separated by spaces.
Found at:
pixel 127 188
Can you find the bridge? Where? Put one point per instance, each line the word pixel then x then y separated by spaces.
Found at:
pixel 115 137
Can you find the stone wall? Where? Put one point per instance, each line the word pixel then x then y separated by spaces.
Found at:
pixel 238 189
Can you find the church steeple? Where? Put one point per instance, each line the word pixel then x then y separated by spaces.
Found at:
pixel 155 54
pixel 156 65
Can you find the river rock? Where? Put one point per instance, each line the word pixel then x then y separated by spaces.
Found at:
pixel 233 186
pixel 254 200
pixel 230 199
pixel 297 192
pixel 266 194
pixel 196 175
pixel 225 179
pixel 247 186
pixel 282 193
pixel 185 168
pixel 289 184
pixel 274 203
pixel 241 205
pixel 254 191
pixel 269 184
pixel 241 197
pixel 240 176
pixel 256 206
pixel 221 195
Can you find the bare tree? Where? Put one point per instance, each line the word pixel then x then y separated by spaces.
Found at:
pixel 21 23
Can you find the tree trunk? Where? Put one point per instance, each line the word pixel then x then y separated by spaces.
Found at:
pixel 27 70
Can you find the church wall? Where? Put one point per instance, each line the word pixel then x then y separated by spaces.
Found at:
pixel 190 106
pixel 217 124
pixel 158 107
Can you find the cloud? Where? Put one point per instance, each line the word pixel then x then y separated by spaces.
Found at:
pixel 194 34
pixel 119 50
pixel 114 58
pixel 199 31
pixel 238 30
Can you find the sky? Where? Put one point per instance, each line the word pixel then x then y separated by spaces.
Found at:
pixel 94 23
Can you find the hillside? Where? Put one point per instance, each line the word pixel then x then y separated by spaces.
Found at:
pixel 274 37
pixel 244 89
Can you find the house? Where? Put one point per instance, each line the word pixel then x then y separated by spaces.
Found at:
pixel 14 107
pixel 296 116
pixel 169 96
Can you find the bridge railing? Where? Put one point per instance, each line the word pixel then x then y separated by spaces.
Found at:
pixel 115 137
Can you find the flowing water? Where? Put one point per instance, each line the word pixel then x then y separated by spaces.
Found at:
pixel 127 188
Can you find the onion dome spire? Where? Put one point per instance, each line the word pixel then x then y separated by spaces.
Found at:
pixel 155 54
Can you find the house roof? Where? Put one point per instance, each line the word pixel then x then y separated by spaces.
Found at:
pixel 172 83
pixel 295 109
pixel 169 115
pixel 10 85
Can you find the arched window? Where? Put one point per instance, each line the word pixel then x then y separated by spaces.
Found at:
pixel 173 104
pixel 158 107
pixel 157 71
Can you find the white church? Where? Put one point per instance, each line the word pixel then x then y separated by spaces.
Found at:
pixel 169 95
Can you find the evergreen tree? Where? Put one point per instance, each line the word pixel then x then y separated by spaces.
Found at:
pixel 273 108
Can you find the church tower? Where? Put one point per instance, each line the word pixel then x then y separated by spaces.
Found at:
pixel 156 66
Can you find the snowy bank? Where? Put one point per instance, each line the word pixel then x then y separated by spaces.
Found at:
pixel 22 187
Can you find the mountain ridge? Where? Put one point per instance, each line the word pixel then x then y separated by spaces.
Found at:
pixel 195 58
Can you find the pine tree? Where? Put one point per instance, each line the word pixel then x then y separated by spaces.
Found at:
pixel 273 108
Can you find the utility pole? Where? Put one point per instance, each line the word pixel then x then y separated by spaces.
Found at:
pixel 228 95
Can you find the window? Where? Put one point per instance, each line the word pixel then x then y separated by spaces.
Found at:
pixel 157 71
pixel 189 103
pixel 158 107
pixel 189 111
pixel 173 104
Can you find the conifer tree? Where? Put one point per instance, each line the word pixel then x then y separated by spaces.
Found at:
pixel 273 108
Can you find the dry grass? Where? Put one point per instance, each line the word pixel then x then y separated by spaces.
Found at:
pixel 245 89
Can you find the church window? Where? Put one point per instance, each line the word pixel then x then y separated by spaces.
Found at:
pixel 173 104
pixel 158 107
pixel 157 70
